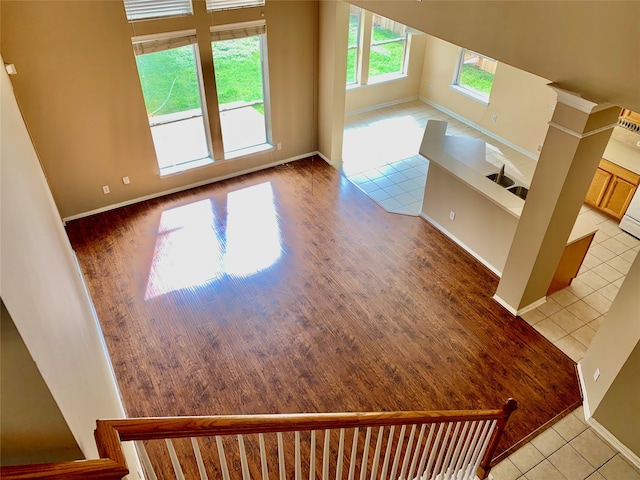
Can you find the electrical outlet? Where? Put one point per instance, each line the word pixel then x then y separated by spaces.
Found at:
pixel 279 146
pixel 452 215
pixel 126 180
pixel 596 375
pixel 494 118
pixel 552 106
pixel 105 189
pixel 539 148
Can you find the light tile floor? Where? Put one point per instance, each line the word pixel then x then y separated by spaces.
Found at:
pixel 380 156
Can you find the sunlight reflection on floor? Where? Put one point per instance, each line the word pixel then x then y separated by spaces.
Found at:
pixel 190 252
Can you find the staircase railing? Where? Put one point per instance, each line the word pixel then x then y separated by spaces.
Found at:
pixel 436 445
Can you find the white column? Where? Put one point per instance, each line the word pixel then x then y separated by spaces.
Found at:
pixel 578 134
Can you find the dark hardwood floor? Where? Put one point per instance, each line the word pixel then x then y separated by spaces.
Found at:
pixel 288 290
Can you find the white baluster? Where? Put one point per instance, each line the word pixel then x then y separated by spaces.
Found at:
pixel 365 455
pixel 146 463
pixel 312 456
pixel 340 454
pixel 387 455
pixel 450 447
pixel 243 459
pixel 396 457
pixel 281 466
pixel 199 461
pixel 416 452
pixel 298 464
pixel 325 455
pixel 443 446
pixel 376 456
pixel 354 451
pixel 263 458
pixel 485 444
pixel 223 459
pixel 407 453
pixel 425 452
pixel 434 451
pixel 177 469
pixel 457 457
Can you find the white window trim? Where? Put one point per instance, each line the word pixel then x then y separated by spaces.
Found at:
pixel 468 92
pixel 365 42
pixel 266 97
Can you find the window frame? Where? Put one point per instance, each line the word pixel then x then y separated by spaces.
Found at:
pixel 356 47
pixel 266 97
pixel 366 42
pixel 180 166
pixel 465 90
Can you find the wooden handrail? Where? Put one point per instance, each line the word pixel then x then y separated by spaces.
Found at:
pixel 103 469
pixel 110 433
pixel 149 428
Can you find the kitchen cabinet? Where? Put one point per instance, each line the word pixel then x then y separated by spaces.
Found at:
pixel 612 189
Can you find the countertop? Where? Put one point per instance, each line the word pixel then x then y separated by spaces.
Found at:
pixel 465 158
pixel 621 152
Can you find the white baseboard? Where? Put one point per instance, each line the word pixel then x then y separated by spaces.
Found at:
pixel 326 159
pixel 382 105
pixel 606 435
pixel 583 388
pixel 508 307
pixel 489 133
pixel 187 187
pixel 612 440
pixel 461 244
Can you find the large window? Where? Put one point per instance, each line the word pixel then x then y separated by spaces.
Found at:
pixel 388 44
pixel 475 74
pixel 170 77
pixel 239 66
pixel 377 48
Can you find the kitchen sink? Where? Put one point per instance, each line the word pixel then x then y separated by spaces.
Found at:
pixel 504 181
pixel 519 191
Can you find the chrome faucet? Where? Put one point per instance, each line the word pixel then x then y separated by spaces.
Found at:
pixel 500 175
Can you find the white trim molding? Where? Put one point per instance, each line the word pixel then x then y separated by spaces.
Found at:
pixel 584 134
pixel 606 435
pixel 612 440
pixel 577 101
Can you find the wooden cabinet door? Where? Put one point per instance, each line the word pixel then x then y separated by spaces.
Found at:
pixel 618 197
pixel 598 187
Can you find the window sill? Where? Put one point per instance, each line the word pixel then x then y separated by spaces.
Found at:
pixel 389 78
pixel 201 162
pixel 471 94
pixel 263 147
pixel 183 167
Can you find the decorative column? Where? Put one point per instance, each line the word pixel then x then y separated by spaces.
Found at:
pixel 578 134
pixel 333 36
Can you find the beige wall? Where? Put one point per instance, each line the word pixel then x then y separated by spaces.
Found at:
pixel 78 88
pixel 32 429
pixel 613 351
pixel 481 225
pixel 366 96
pixel 44 292
pixel 623 397
pixel 592 47
pixel 519 99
